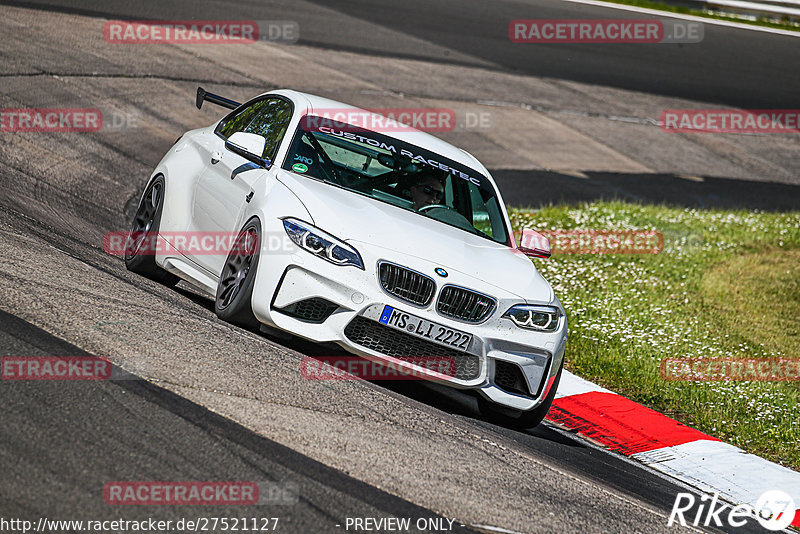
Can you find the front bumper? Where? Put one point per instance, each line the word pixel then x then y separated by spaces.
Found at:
pixel 289 279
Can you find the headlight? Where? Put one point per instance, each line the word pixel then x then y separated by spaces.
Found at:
pixel 541 318
pixel 322 244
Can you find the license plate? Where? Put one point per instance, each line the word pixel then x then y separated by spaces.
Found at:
pixel 419 327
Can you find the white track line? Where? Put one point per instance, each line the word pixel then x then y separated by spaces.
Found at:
pixel 716 466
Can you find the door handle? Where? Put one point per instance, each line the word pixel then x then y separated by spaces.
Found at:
pixel 215 157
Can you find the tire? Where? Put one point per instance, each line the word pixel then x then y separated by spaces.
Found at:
pixel 144 229
pixel 235 288
pixel 515 418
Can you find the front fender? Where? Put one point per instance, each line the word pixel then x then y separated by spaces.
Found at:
pixel 276 202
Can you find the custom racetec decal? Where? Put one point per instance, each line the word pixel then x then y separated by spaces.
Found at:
pixel 405 149
pixel 356 137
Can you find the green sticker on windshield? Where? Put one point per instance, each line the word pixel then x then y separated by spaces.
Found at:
pixel 299 167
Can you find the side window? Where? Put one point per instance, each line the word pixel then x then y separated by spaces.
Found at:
pixel 239 122
pixel 268 118
pixel 271 124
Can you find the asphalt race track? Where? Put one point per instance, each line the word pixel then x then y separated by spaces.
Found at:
pixel 100 423
pixel 751 69
pixel 201 400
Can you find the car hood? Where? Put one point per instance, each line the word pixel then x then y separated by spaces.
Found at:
pixel 357 218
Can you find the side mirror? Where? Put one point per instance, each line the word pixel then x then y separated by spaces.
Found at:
pixel 534 244
pixel 250 146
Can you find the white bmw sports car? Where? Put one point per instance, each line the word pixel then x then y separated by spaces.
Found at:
pixel 396 246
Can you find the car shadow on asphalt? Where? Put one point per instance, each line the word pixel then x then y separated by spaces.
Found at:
pixel 461 403
pixel 455 402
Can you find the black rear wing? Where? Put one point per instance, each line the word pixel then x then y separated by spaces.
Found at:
pixel 214 99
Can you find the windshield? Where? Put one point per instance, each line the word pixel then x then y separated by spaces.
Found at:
pixel 397 173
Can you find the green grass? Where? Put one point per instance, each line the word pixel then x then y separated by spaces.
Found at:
pixel 781 25
pixel 762 281
pixel 726 284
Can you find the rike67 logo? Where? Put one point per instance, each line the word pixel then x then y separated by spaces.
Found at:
pixel 774 510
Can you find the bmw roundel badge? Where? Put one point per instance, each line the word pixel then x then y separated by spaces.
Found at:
pixel 441 272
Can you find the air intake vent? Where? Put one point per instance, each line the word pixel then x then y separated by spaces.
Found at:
pixel 405 284
pixel 313 310
pixel 464 304
pixel 508 376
